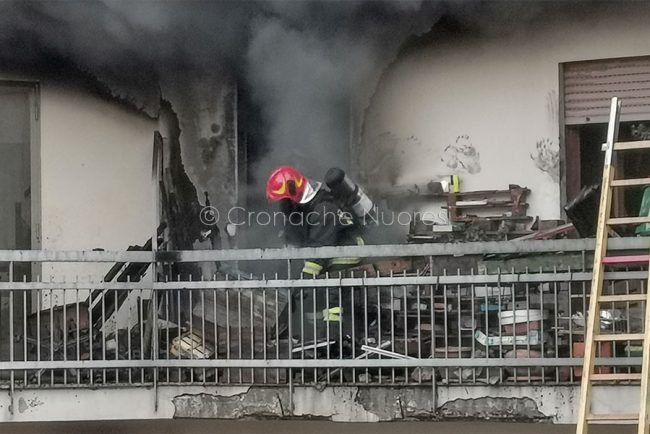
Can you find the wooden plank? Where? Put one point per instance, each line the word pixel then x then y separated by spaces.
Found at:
pixel 625 146
pixel 622 298
pixel 617 337
pixel 483 204
pixel 630 182
pixel 548 233
pixel 593 319
pixel 481 192
pixel 628 220
pixel 635 376
pixel 628 259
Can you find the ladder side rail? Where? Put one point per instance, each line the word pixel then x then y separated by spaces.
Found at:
pixel 593 318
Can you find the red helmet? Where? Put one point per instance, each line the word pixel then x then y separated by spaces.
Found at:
pixel 286 183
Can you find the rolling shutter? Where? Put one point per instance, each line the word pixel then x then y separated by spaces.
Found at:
pixel 588 87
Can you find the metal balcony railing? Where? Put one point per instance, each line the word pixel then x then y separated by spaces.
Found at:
pixel 462 314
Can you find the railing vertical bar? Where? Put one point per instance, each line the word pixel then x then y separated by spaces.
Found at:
pixel 264 332
pixel 392 325
pixel 39 301
pixel 64 330
pixel 556 329
pixel 205 349
pixel 129 343
pixel 406 338
pixel 164 354
pixel 303 341
pixel 315 329
pixel 432 313
pixel 353 328
pixel 500 303
pixel 290 343
pixel 326 319
pixel 379 335
pixel 486 315
pixel 342 315
pixel 78 335
pixel 627 315
pixel 228 343
pixel 585 312
pixel 277 330
pixel 190 308
pixel 290 330
pixel 24 330
pixel 155 337
pixel 11 328
pixel 365 322
pixel 215 331
pixel 514 324
pixel 513 300
pixel 141 330
pixel 52 334
pixel 252 323
pixel 90 333
pixel 179 326
pixel 239 332
pixel 459 327
pixel 472 325
pixel 540 290
pixel 569 294
pixel 446 323
pixel 103 331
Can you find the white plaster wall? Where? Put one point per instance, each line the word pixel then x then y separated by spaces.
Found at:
pixel 501 91
pixel 96 172
pixel 95 178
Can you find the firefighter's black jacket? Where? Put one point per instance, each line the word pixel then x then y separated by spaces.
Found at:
pixel 320 222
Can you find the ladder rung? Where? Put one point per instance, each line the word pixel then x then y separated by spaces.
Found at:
pixel 639 144
pixel 616 377
pixel 629 259
pixel 630 182
pixel 628 220
pixel 622 298
pixel 619 337
pixel 616 418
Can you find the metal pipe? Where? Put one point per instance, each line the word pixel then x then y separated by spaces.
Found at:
pixel 375 251
pixel 407 362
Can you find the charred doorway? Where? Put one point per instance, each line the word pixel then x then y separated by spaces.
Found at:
pixel 15 166
pixel 18 195
pixel 587 88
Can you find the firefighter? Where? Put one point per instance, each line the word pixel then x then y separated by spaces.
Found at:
pixel 313 217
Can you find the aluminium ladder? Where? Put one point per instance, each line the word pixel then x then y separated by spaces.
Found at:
pixel 593 332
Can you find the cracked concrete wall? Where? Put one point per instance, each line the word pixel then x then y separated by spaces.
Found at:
pixel 340 404
pixel 488 407
pixel 254 402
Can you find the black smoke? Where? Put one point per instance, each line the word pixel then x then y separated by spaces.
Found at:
pixel 301 62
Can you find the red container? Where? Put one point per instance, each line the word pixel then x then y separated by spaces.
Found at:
pixel 605 351
pixel 522 328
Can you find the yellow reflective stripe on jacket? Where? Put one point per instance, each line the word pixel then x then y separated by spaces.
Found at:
pixel 332 314
pixel 312 268
pixel 345 261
